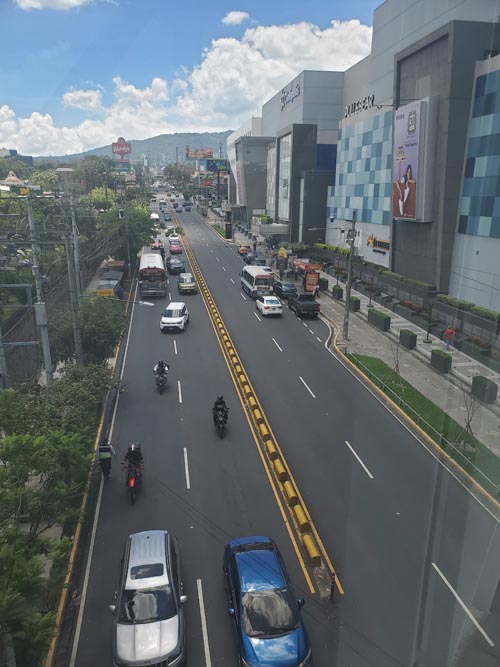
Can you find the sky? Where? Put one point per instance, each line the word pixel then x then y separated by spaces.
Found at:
pixel 77 74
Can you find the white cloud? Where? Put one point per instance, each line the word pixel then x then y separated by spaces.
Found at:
pixel 234 78
pixel 235 18
pixel 51 4
pixel 87 100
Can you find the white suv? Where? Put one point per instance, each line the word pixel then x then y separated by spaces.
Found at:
pixel 176 316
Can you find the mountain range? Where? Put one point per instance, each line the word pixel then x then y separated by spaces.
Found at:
pixel 162 149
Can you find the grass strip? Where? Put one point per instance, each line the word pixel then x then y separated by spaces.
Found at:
pixel 467 451
pixel 220 230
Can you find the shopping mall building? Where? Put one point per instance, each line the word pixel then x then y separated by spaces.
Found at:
pixel 406 142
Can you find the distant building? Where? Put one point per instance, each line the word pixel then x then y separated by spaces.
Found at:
pixel 12 153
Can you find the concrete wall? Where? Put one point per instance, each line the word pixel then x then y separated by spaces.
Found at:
pixel 253 170
pixel 315 190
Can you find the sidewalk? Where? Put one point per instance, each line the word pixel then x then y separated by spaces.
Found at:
pixel 445 391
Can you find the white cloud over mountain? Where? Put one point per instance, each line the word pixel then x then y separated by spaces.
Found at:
pixel 234 78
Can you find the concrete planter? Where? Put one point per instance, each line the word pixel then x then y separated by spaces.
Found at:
pixel 337 292
pixel 483 389
pixel 441 361
pixel 323 284
pixel 354 303
pixel 379 319
pixel 408 339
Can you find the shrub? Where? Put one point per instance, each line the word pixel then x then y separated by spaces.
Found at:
pixel 407 338
pixel 405 279
pixel 441 361
pixel 458 303
pixel 379 319
pixel 486 313
pixel 484 389
pixel 480 342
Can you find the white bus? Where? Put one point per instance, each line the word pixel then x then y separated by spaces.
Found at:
pixel 257 280
pixel 152 277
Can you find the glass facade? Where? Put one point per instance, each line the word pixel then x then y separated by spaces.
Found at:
pixel 271 181
pixel 285 157
pixel 480 201
pixel 363 181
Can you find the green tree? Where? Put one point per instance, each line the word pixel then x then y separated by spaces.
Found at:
pixel 101 322
pixel 47 179
pixel 94 171
pixel 21 169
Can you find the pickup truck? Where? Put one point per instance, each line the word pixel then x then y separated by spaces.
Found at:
pixel 304 304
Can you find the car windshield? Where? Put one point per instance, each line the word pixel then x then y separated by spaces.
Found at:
pixel 171 312
pixel 272 302
pixel 147 606
pixel 185 279
pixel 288 286
pixel 271 612
pixel 262 280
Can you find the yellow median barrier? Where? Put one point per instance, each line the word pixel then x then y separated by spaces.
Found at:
pixel 290 493
pixel 280 471
pixel 264 432
pixel 271 450
pixel 300 518
pixel 258 416
pixel 311 550
pixel 251 400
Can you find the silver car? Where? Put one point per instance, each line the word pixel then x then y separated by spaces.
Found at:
pixel 149 614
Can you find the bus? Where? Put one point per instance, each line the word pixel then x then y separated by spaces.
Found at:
pixel 152 276
pixel 257 280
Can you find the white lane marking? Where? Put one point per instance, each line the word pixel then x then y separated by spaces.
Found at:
pixel 85 585
pixel 217 259
pixel 243 296
pixel 180 390
pixel 223 268
pixel 204 631
pixel 305 385
pixel 167 281
pixel 257 316
pixel 304 325
pixel 170 296
pixel 175 346
pixel 311 331
pixel 277 345
pixel 317 338
pixel 211 249
pixel 232 281
pixel 186 468
pixel 462 604
pixel 359 461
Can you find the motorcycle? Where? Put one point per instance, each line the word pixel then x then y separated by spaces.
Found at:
pixel 161 381
pixel 220 420
pixel 132 480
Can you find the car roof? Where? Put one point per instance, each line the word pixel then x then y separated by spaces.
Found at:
pixel 187 276
pixel 175 305
pixel 147 548
pixel 259 569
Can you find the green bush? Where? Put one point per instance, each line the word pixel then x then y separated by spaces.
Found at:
pixel 457 303
pixel 379 319
pixel 484 389
pixel 486 313
pixel 441 361
pixel 408 281
pixel 407 338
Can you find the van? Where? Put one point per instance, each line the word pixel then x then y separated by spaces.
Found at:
pixel 149 624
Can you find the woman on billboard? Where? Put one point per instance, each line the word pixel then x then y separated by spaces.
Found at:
pixel 406 197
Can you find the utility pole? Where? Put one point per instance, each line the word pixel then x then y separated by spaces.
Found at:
pixel 40 309
pixel 4 378
pixel 75 311
pixel 76 247
pixel 345 330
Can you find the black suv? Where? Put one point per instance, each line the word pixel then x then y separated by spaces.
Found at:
pixel 284 289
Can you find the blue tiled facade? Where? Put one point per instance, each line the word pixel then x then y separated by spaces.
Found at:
pixel 363 180
pixel 480 202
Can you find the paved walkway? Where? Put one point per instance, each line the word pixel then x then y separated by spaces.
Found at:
pixel 446 391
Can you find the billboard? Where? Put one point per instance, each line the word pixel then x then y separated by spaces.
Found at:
pixel 121 147
pixel 198 153
pixel 121 166
pixel 213 165
pixel 405 175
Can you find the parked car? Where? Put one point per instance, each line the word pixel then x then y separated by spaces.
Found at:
pixel 149 624
pixel 186 283
pixel 243 249
pixel 175 265
pixel 284 289
pixel 260 261
pixel 269 305
pixel 267 618
pixel 157 244
pixel 304 304
pixel 249 257
pixel 175 316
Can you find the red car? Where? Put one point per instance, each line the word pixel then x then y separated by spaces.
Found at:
pixel 175 249
pixel 157 245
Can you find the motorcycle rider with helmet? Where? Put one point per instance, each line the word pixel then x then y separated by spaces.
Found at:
pixel 220 406
pixel 134 458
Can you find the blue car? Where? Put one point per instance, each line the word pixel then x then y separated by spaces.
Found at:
pixel 266 614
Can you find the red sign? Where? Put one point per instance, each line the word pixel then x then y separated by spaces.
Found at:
pixel 121 147
pixel 207 182
pixel 311 280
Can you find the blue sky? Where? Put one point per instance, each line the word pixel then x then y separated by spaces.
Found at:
pixel 108 53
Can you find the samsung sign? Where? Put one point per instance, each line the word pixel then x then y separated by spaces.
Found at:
pixel 359 106
pixel 289 95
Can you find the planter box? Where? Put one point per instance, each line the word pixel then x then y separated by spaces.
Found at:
pixel 407 339
pixel 483 389
pixel 323 284
pixel 354 303
pixel 441 361
pixel 379 320
pixel 337 292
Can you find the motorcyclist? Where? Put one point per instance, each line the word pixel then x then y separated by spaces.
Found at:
pixel 220 406
pixel 133 457
pixel 161 368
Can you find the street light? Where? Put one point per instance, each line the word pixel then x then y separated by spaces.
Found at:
pixel 345 329
pixel 429 323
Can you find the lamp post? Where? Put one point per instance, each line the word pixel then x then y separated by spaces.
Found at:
pixel 371 290
pixel 429 323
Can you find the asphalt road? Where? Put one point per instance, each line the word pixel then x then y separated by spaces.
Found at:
pixel 393 520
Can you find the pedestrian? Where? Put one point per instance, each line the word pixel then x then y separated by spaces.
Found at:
pixel 281 274
pixel 104 454
pixel 316 291
pixel 448 337
pixel 254 245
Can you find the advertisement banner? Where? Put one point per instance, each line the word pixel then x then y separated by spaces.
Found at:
pixel 121 147
pixel 198 153
pixel 405 176
pixel 311 280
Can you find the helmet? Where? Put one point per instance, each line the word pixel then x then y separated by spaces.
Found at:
pixel 220 398
pixel 133 446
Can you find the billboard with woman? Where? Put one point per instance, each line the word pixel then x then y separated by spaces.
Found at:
pixel 405 162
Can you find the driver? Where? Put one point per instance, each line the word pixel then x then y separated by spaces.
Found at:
pixel 220 406
pixel 161 368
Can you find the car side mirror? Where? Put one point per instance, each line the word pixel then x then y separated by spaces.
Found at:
pixel 230 611
pixel 112 608
pixel 301 602
pixel 183 599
